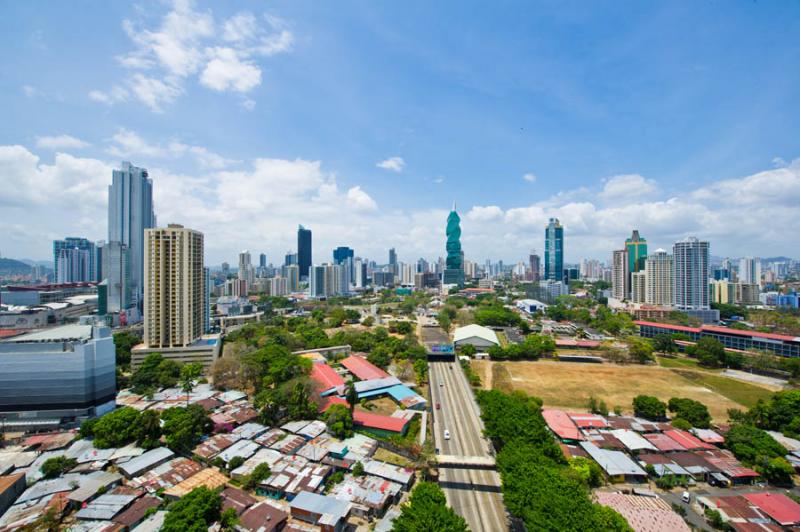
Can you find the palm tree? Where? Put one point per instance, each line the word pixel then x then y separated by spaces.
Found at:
pixel 352 396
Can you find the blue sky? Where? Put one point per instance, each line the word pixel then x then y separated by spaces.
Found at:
pixel 365 120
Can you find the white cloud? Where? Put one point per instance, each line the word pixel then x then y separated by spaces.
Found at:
pixel 31 92
pixel 226 71
pixel 484 214
pixel 189 44
pixel 627 186
pixel 259 203
pixel 529 177
pixel 395 164
pixel 60 142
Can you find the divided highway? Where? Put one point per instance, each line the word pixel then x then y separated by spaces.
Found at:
pixel 473 493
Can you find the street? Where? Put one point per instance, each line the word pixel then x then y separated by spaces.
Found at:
pixel 473 493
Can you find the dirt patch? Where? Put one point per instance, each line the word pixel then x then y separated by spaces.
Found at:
pixel 569 385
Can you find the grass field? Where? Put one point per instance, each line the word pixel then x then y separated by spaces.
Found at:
pixel 677 362
pixel 569 385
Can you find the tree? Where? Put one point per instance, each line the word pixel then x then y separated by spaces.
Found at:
pixel 123 343
pixel 184 426
pixel 752 445
pixel 682 424
pixel 649 407
pixel 259 474
pixel 776 470
pixel 148 429
pixel 228 519
pixel 190 373
pixel 588 471
pixel 708 351
pixel 57 466
pixel 380 356
pixel 300 405
pixel 369 321
pixel 340 421
pixel 664 343
pixel 358 469
pixel 352 396
pixel 227 373
pixel 115 429
pixel 427 510
pixel 155 372
pixel 194 512
pixel 694 412
pixel 235 462
pixel 421 370
pixel 640 350
pixel 468 350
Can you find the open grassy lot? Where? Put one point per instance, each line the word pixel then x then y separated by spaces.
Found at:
pixel 569 385
pixel 677 362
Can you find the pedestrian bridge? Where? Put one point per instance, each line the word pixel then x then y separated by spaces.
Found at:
pixel 465 462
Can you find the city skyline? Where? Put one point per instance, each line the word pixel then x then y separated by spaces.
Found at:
pixel 653 153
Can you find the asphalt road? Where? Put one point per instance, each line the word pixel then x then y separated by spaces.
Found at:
pixel 473 493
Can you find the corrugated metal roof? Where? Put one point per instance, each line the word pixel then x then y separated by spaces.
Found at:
pixel 613 462
pixel 362 368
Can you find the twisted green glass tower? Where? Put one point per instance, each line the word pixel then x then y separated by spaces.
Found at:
pixel 454 273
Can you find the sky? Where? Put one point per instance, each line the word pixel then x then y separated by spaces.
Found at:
pixel 364 121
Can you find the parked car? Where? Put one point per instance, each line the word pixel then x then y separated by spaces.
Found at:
pixel 438 406
pixel 446 434
pixel 686 497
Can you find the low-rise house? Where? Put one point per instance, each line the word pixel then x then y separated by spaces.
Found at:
pixel 329 513
pixel 266 516
pixel 401 475
pixel 313 429
pixel 644 514
pixel 214 445
pixel 616 465
pixel 11 487
pixel 370 495
pixel 632 440
pixel 145 462
pixel 262 456
pixel 687 440
pixel 242 448
pixel 328 381
pixel 237 499
pixel 92 483
pixel 250 430
pixel 288 445
pixel 105 507
pixel 209 477
pixel 287 480
pixel 270 437
pixel 561 425
pixel 167 475
pixel 380 425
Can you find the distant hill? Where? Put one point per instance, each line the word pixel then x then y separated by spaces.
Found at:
pixel 776 259
pixel 13 267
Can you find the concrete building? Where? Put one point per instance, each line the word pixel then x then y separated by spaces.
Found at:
pixel 636 246
pixel 691 260
pixel 58 375
pixel 750 270
pixel 659 290
pixel 638 286
pixel 246 271
pixel 535 264
pixel 116 272
pixel 619 276
pixel 554 251
pixel 173 306
pixel 76 260
pixel 130 212
pixel 481 337
pixel 304 251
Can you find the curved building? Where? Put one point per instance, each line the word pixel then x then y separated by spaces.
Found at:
pixel 454 271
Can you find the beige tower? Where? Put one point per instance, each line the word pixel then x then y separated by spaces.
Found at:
pixel 173 286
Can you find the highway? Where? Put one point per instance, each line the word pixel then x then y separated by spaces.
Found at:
pixel 473 493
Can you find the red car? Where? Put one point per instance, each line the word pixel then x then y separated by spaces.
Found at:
pixel 438 406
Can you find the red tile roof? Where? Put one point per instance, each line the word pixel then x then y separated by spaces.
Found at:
pixel 687 440
pixel 588 421
pixel 664 443
pixel 683 328
pixel 361 368
pixel 719 330
pixel 560 423
pixel 330 401
pixel 326 376
pixel 778 506
pixel 377 421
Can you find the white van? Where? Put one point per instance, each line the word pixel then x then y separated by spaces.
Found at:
pixel 686 497
pixel 446 434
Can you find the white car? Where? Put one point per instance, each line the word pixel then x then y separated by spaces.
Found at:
pixel 446 434
pixel 441 383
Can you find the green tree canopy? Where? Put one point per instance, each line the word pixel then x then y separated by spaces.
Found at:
pixel 649 407
pixel 194 512
pixel 426 511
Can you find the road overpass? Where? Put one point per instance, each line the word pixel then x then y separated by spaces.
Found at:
pixel 466 460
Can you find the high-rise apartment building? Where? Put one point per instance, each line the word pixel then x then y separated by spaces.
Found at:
pixel 535 264
pixel 317 282
pixel 636 246
pixel 83 268
pixel 659 268
pixel 116 270
pixel 174 287
pixel 303 251
pixel 130 212
pixel 750 270
pixel 619 274
pixel 246 271
pixel 691 259
pixel 638 286
pixel 554 251
pixel 393 261
pixel 292 274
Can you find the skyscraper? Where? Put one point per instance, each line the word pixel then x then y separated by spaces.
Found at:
pixel 393 261
pixel 90 272
pixel 750 271
pixel 691 274
pixel 341 253
pixel 554 251
pixel 619 275
pixel 454 271
pixel 535 265
pixel 116 270
pixel 130 212
pixel 636 247
pixel 303 251
pixel 73 266
pixel 246 272
pixel 659 268
pixel 174 294
pixel 262 260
